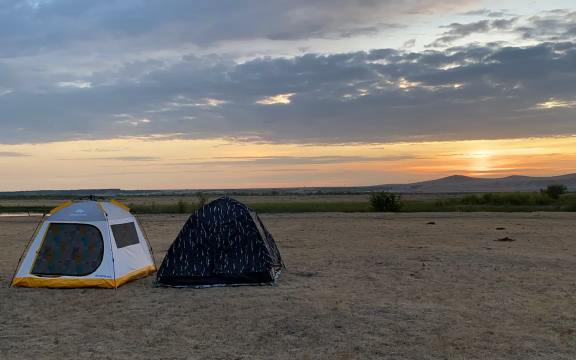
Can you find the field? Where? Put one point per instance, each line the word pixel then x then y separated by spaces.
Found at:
pixel 456 202
pixel 357 286
pixel 165 200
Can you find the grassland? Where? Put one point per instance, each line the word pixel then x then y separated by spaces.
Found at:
pixel 489 202
pixel 264 208
pixel 413 203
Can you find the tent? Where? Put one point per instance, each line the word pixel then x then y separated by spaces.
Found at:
pixel 86 244
pixel 224 243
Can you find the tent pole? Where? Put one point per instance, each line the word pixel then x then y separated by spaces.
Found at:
pixel 147 242
pixel 109 238
pixel 111 247
pixel 111 252
pixel 146 238
pixel 26 248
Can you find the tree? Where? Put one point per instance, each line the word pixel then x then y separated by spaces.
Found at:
pixel 385 201
pixel 555 190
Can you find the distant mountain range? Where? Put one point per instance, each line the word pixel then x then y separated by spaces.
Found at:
pixel 450 184
pixel 459 183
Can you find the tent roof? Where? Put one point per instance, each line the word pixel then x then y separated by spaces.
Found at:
pixel 115 212
pixel 89 211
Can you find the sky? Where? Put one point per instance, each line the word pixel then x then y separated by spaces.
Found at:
pixel 169 94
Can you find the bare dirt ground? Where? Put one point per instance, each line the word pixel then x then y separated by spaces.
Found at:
pixel 357 286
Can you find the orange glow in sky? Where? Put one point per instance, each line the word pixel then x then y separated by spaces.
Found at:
pixel 193 164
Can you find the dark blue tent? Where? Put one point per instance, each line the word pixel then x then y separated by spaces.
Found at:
pixel 224 243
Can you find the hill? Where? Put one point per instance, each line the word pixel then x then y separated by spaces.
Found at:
pixel 450 184
pixel 460 183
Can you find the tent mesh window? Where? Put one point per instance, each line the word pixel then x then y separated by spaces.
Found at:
pixel 125 235
pixel 69 250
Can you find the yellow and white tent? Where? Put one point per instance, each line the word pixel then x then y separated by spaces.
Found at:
pixel 86 244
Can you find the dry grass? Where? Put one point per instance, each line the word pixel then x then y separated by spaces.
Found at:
pixel 358 286
pixel 489 202
pixel 167 200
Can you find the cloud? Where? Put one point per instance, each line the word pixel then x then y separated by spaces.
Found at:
pixel 556 103
pixel 558 11
pixel 104 150
pixel 475 91
pixel 312 159
pixel 459 31
pixel 277 99
pixel 488 13
pixel 293 160
pixel 126 158
pixel 556 25
pixel 320 33
pixel 285 170
pixel 31 28
pixel 11 154
pixel 409 44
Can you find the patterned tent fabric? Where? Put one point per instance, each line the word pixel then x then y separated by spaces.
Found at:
pixel 70 249
pixel 223 243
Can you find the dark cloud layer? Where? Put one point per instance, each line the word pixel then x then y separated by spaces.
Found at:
pixel 32 27
pixel 377 96
pixel 475 91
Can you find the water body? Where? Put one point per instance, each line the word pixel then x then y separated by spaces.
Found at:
pixel 21 214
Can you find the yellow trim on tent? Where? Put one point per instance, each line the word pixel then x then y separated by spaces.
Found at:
pixel 33 282
pixel 63 283
pixel 101 208
pixel 121 205
pixel 61 207
pixel 145 271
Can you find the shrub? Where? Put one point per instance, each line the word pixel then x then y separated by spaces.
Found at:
pixel 202 199
pixel 543 199
pixel 440 203
pixel 472 200
pixel 385 201
pixel 555 190
pixel 488 198
pixel 182 206
pixel 508 199
pixel 517 199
